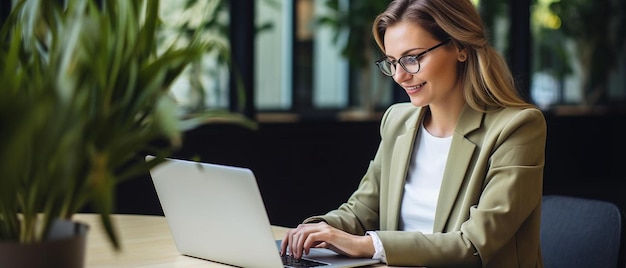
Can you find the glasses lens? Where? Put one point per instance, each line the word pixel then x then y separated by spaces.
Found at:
pixel 386 67
pixel 410 63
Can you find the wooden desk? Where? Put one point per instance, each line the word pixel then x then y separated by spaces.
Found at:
pixel 146 242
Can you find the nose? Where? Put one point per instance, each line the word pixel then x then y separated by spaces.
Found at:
pixel 401 75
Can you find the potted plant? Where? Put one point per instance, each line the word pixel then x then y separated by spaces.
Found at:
pixel 84 96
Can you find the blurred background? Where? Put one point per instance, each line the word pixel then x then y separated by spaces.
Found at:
pixel 304 71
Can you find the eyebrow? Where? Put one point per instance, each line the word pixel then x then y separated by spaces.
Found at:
pixel 406 52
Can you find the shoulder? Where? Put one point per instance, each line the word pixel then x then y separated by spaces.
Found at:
pixel 402 108
pixel 400 116
pixel 498 126
pixel 400 112
pixel 516 117
pixel 521 128
pixel 517 137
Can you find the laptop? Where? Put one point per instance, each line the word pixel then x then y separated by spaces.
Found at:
pixel 216 213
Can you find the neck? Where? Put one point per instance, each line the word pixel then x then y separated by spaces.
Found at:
pixel 441 120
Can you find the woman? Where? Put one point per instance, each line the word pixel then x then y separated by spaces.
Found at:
pixel 457 178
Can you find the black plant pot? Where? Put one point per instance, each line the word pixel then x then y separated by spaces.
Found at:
pixel 65 247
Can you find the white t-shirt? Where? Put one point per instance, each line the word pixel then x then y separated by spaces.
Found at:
pixel 421 190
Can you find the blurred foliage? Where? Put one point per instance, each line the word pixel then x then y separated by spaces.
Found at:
pixel 206 19
pixel 550 54
pixel 200 19
pixel 599 29
pixel 355 20
pixel 490 10
pixel 85 96
pixel 351 22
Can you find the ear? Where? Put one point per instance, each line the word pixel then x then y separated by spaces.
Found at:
pixel 461 54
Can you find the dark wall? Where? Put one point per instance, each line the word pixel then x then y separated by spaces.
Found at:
pixel 303 169
pixel 308 168
pixel 5 9
pixel 585 156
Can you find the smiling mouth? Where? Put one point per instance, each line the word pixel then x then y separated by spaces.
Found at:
pixel 413 88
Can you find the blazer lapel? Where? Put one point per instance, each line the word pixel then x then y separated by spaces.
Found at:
pixel 461 151
pixel 400 163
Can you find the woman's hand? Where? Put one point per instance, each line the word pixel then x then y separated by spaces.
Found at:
pixel 321 235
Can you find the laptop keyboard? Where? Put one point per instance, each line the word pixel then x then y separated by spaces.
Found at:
pixel 289 261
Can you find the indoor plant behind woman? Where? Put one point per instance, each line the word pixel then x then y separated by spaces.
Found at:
pixel 83 92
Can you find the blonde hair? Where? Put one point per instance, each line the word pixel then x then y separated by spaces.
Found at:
pixel 488 82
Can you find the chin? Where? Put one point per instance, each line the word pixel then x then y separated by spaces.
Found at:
pixel 418 102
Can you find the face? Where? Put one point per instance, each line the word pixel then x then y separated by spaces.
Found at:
pixel 436 82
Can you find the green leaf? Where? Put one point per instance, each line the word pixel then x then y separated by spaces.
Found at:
pixel 85 93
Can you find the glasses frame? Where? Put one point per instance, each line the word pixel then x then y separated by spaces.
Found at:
pixel 399 60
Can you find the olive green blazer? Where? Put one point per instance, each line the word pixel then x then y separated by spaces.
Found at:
pixel 489 208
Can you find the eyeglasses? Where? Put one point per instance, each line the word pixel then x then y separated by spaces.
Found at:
pixel 410 63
